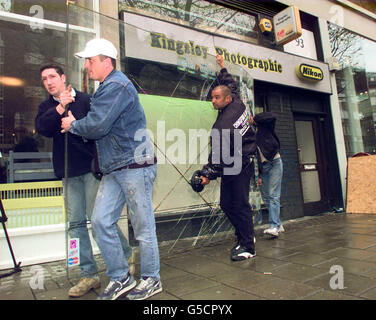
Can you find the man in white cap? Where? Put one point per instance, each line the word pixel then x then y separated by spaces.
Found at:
pixel 80 184
pixel 125 156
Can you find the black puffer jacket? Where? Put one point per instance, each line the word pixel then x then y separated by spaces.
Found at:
pixel 234 116
pixel 266 137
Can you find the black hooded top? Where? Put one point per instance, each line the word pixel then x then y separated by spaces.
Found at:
pixel 266 138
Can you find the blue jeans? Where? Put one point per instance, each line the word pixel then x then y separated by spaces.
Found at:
pixel 133 187
pixel 271 189
pixel 81 192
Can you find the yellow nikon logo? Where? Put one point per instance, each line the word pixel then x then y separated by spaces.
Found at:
pixel 305 71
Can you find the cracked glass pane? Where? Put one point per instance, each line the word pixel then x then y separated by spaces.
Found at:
pixel 173 68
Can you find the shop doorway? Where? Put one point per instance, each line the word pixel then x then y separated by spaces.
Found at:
pixel 310 182
pixel 311 163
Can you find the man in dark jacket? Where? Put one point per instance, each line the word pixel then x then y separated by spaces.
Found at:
pixel 80 185
pixel 233 147
pixel 271 169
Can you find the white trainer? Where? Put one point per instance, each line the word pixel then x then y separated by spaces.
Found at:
pixel 272 231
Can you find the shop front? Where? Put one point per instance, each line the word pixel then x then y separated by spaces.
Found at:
pixel 173 67
pixel 174 63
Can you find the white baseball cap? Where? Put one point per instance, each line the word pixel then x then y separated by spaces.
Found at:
pixel 96 47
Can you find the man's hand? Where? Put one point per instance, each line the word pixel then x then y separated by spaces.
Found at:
pixel 67 121
pixel 66 97
pixel 220 61
pixel 259 182
pixel 251 121
pixel 205 180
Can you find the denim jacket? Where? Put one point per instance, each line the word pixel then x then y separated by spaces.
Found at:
pixel 117 123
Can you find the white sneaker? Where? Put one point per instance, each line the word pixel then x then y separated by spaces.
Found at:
pixel 281 229
pixel 145 289
pixel 272 231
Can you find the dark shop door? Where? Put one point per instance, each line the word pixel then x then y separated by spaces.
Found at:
pixel 311 166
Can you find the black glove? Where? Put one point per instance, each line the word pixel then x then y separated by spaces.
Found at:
pixel 210 172
pixel 196 181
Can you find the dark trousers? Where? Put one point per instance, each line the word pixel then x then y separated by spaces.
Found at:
pixel 235 203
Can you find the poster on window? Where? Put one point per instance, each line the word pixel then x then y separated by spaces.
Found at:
pixel 73 252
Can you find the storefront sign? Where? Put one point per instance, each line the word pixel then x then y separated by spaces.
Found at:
pixel 5 5
pixel 160 41
pixel 305 71
pixel 194 51
pixel 267 65
pixel 287 25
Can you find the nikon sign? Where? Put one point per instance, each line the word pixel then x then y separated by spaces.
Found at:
pixel 312 73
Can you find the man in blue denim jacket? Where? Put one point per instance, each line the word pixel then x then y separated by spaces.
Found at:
pixel 116 121
pixel 80 185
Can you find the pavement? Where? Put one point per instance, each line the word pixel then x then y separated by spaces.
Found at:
pixel 326 257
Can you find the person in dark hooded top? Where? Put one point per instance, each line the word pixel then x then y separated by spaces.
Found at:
pixel 271 170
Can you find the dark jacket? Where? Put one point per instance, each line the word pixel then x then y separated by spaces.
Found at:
pixel 266 137
pixel 235 118
pixel 80 150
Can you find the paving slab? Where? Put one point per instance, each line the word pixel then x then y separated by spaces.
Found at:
pixel 221 292
pixel 298 272
pixel 187 284
pixel 281 289
pixel 330 295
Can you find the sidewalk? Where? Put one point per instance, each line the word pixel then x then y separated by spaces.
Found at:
pixel 294 266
